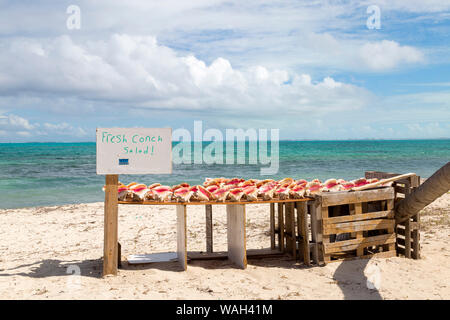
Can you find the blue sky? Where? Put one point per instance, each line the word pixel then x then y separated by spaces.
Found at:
pixel 312 69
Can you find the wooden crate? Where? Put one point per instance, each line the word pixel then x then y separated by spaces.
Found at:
pixel 356 224
pixel 408 232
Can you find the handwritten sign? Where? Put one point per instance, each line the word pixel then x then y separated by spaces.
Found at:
pixel 134 150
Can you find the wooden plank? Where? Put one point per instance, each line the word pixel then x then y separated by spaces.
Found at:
pixel 281 227
pixel 236 236
pixel 343 197
pixel 416 237
pixel 325 239
pixel 359 234
pixel 302 213
pixel 386 254
pixel 202 203
pixel 354 244
pixel 407 239
pixel 401 241
pixel 272 226
pixel 314 233
pixel 221 255
pixel 291 239
pixel 209 228
pixel 356 217
pixel 357 226
pixel 110 244
pixel 181 236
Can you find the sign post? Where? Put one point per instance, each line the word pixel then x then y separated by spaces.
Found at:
pixel 127 151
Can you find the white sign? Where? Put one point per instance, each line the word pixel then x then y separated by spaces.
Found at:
pixel 134 150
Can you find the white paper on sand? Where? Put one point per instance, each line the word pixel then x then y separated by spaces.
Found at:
pixel 154 257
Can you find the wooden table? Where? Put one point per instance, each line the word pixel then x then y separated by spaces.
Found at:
pixel 236 227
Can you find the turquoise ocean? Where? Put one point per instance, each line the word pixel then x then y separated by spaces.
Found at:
pixel 41 174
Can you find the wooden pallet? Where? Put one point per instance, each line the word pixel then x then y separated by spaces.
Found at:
pixel 408 232
pixel 353 225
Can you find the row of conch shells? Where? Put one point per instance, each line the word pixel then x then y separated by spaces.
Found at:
pixel 234 190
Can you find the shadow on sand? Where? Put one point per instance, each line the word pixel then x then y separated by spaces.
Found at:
pixel 353 282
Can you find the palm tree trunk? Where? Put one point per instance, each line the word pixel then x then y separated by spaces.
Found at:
pixel 434 187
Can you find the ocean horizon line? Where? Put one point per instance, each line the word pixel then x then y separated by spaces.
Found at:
pixel 281 140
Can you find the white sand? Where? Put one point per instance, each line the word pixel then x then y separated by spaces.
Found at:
pixel 38 246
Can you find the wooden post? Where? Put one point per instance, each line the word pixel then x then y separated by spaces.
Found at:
pixel 290 233
pixel 181 236
pixel 209 228
pixel 110 244
pixel 236 237
pixel 302 216
pixel 272 226
pixel 280 227
pixel 325 238
pixel 314 231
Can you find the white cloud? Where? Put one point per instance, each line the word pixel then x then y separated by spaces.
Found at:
pixel 12 125
pixel 139 71
pixel 388 54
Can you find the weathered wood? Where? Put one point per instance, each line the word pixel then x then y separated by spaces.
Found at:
pixel 291 236
pixel 407 239
pixel 181 236
pixel 344 197
pixel 110 244
pixel 209 228
pixel 272 226
pixel 302 213
pixel 356 217
pixel 356 226
pixel 416 237
pixel 221 255
pixel 359 234
pixel 426 193
pixel 386 254
pixel 314 233
pixel 354 244
pixel 281 227
pixel 236 235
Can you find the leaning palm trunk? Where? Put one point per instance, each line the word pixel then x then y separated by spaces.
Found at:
pixel 434 187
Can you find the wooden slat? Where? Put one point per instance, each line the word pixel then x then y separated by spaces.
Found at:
pixel 357 226
pixel 219 255
pixel 181 236
pixel 302 212
pixel 280 213
pixel 386 254
pixel 416 238
pixel 272 226
pixel 356 217
pixel 314 232
pixel 291 240
pixel 354 244
pixel 110 244
pixel 209 228
pixel 359 234
pixel 236 235
pixel 339 198
pixel 202 203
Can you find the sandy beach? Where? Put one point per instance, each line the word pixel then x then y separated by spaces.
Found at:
pixel 42 247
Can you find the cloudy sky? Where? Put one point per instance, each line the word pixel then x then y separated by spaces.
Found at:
pixel 313 69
